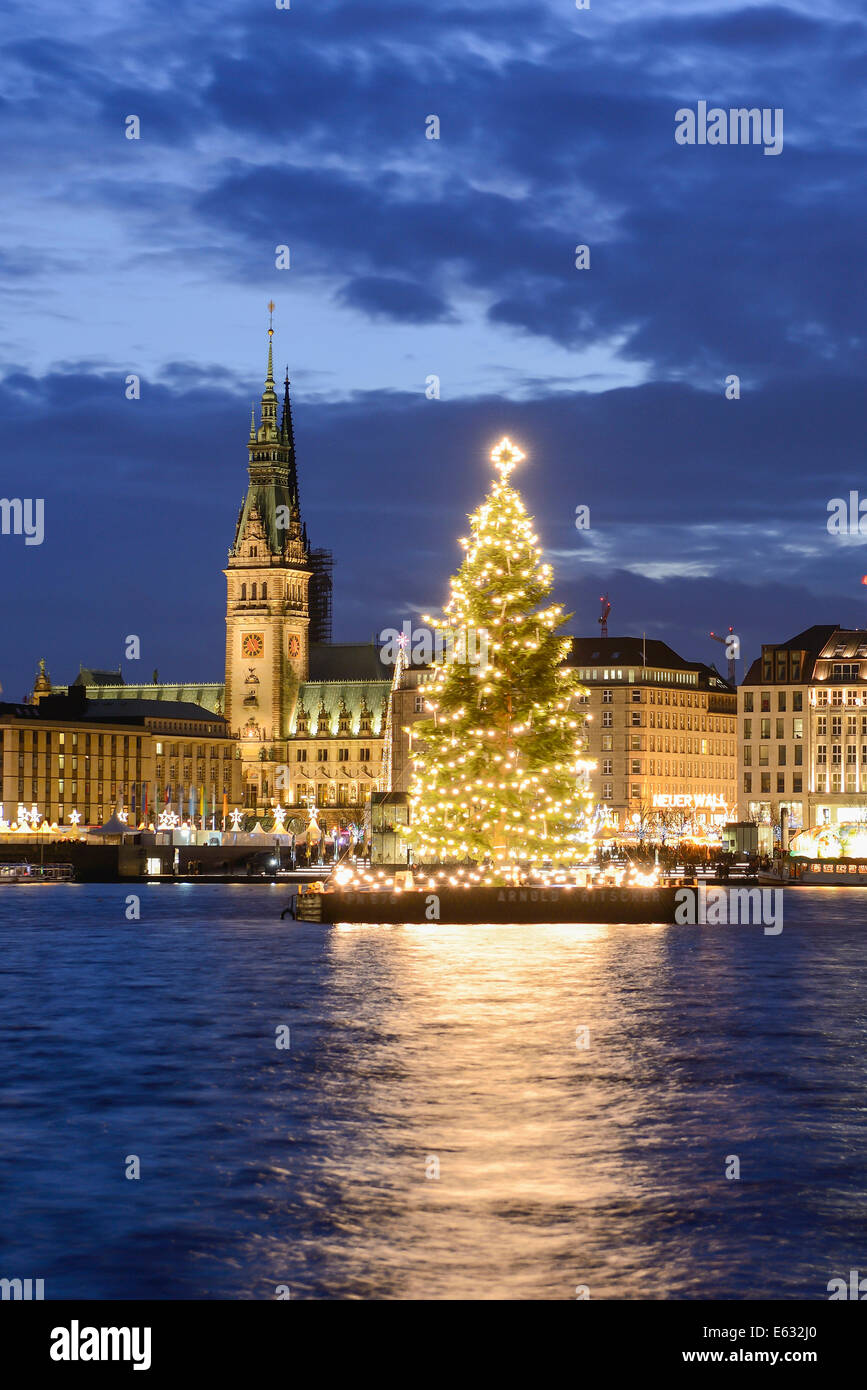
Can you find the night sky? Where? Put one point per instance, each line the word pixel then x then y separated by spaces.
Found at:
pixel 411 257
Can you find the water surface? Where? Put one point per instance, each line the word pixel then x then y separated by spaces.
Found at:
pixel 422 1048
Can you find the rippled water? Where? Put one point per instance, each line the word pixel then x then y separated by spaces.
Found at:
pixel 558 1165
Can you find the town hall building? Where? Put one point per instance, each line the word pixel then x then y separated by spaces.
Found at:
pixel 308 718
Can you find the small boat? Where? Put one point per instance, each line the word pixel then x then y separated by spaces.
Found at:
pixel 832 873
pixel 36 873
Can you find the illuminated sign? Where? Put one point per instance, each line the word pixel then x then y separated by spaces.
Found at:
pixel 710 801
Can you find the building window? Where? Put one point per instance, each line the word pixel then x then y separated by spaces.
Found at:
pixel 821 754
pixel 781 755
pixel 781 701
pixel 799 755
pixel 607 791
pixel 322 755
pixel 797 782
pixel 748 782
pixel 607 767
pixel 607 697
pixel 781 782
pixel 748 729
pixel 766 782
pixel 766 702
pixel 636 718
pixel 636 792
pixel 763 755
pixel 300 755
pixel 748 702
pixel 364 755
pixel 418 704
pixel 607 719
pixel 797 728
pixel 780 730
pixel 343 755
pixel 636 767
pixel 607 743
pixel 748 755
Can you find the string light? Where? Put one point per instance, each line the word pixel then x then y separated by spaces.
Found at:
pixel 498 775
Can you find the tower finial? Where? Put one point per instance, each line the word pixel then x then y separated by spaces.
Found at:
pixel 268 430
pixel 269 380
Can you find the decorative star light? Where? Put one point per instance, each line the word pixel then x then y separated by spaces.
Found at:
pixel 23 815
pixel 236 817
pixel 505 456
pixel 168 820
pixel 279 814
pixel 123 815
pixel 74 817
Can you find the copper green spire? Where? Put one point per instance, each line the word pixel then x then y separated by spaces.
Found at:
pixel 269 395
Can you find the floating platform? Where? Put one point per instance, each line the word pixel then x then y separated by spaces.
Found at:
pixel 469 905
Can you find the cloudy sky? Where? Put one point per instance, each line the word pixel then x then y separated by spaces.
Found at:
pixel 411 257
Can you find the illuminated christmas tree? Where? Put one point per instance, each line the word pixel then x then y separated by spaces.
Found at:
pixel 500 774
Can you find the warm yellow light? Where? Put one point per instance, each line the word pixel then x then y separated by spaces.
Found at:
pixel 505 455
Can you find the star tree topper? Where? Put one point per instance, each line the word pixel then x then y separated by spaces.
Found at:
pixel 504 457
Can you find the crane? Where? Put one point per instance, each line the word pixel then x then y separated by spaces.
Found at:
pixel 603 621
pixel 733 678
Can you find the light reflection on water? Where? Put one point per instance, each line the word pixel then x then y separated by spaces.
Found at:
pixel 559 1165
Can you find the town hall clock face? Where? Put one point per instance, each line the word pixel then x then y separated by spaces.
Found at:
pixel 252 644
pixel 294 645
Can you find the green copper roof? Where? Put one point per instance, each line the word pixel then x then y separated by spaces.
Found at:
pixel 326 701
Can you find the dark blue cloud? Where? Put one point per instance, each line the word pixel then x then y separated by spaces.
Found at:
pixel 402 300
pixel 307 127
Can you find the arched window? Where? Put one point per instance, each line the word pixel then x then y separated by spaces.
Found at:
pixel 264 590
pixel 243 591
pixel 253 592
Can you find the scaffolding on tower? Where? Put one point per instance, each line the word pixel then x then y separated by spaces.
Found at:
pixel 321 586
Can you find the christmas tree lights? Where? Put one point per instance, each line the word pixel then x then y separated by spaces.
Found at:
pixel 498 771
